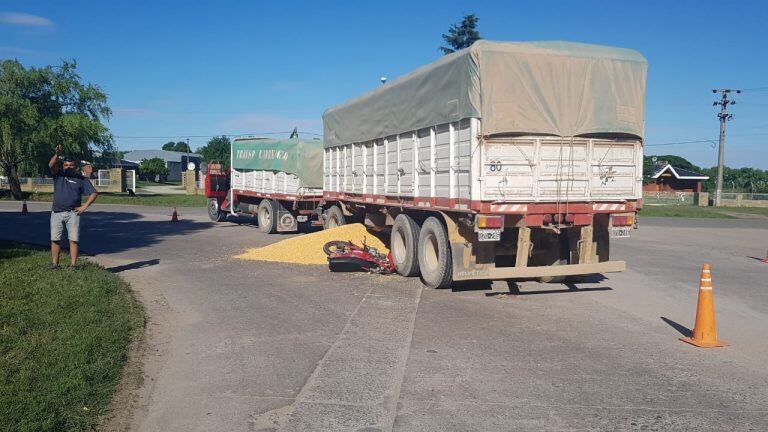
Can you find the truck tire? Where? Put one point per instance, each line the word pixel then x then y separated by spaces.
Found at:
pixel 334 217
pixel 404 240
pixel 267 216
pixel 435 254
pixel 214 212
pixel 557 254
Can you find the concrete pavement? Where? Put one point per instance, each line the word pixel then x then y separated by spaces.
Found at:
pixel 245 346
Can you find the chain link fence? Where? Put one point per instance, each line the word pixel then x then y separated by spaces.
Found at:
pixel 669 198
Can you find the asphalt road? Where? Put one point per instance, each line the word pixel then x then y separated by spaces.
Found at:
pixel 249 346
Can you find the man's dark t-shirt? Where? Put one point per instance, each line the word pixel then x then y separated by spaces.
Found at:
pixel 68 191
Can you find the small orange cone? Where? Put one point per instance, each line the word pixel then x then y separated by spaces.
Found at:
pixel 705 329
pixel 174 216
pixel 24 207
pixel 766 258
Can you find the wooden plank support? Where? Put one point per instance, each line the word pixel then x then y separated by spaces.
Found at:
pixel 586 249
pixel 523 247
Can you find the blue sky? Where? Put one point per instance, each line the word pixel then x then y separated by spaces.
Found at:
pixel 176 68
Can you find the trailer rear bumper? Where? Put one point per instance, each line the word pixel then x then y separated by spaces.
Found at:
pixel 497 273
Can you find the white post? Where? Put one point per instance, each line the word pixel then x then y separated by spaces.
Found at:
pixel 386 166
pixel 399 159
pixel 476 161
pixel 364 165
pixel 375 164
pixel 451 161
pixel 432 162
pixel 415 145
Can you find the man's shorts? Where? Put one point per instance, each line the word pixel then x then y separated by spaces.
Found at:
pixel 71 220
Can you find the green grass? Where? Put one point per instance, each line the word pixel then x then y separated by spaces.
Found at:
pixel 64 338
pixel 176 200
pixel 700 212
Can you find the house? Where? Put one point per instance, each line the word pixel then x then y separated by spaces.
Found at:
pixel 176 162
pixel 667 178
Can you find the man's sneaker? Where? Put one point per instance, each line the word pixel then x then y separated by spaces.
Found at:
pixel 53 267
pixel 74 267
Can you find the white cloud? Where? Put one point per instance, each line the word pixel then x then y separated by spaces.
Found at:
pixel 263 123
pixel 24 19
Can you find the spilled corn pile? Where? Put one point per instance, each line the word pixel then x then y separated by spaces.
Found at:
pixel 308 248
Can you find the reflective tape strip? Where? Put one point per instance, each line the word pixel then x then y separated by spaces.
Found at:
pixel 509 207
pixel 706 279
pixel 605 206
pixel 706 288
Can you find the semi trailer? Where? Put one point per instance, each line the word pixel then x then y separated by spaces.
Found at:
pixel 278 181
pixel 500 161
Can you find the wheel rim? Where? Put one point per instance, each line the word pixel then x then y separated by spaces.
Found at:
pixel 431 252
pixel 265 217
pixel 213 208
pixel 398 246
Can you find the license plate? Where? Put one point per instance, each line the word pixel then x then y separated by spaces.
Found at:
pixel 302 218
pixel 489 235
pixel 620 232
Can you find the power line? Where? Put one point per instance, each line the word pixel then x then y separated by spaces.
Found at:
pixel 680 142
pixel 755 89
pixel 711 141
pixel 211 136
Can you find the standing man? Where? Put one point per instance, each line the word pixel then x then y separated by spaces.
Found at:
pixel 69 186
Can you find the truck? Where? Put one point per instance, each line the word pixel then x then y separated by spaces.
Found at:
pixel 277 181
pixel 505 160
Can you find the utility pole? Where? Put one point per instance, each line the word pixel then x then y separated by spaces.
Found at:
pixel 187 152
pixel 724 117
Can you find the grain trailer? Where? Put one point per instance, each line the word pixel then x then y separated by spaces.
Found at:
pixel 279 181
pixel 500 161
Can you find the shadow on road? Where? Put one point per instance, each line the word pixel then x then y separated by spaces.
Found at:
pixel 683 330
pixel 133 266
pixel 100 231
pixel 570 287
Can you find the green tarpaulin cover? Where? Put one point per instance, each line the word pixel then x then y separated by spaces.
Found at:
pixel 550 88
pixel 303 158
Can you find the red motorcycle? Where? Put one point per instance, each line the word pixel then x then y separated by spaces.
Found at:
pixel 345 256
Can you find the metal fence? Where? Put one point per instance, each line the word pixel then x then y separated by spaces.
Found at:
pixel 42 181
pixel 745 196
pixel 668 198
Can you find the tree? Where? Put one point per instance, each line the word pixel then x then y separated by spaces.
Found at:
pixel 179 146
pixel 217 149
pixel 649 167
pixel 151 168
pixel 183 147
pixel 462 35
pixel 736 179
pixel 43 107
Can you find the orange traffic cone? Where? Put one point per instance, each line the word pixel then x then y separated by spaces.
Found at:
pixel 766 258
pixel 705 329
pixel 174 216
pixel 24 207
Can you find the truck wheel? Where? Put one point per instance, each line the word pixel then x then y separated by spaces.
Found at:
pixel 435 254
pixel 557 254
pixel 214 212
pixel 267 216
pixel 404 240
pixel 334 217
